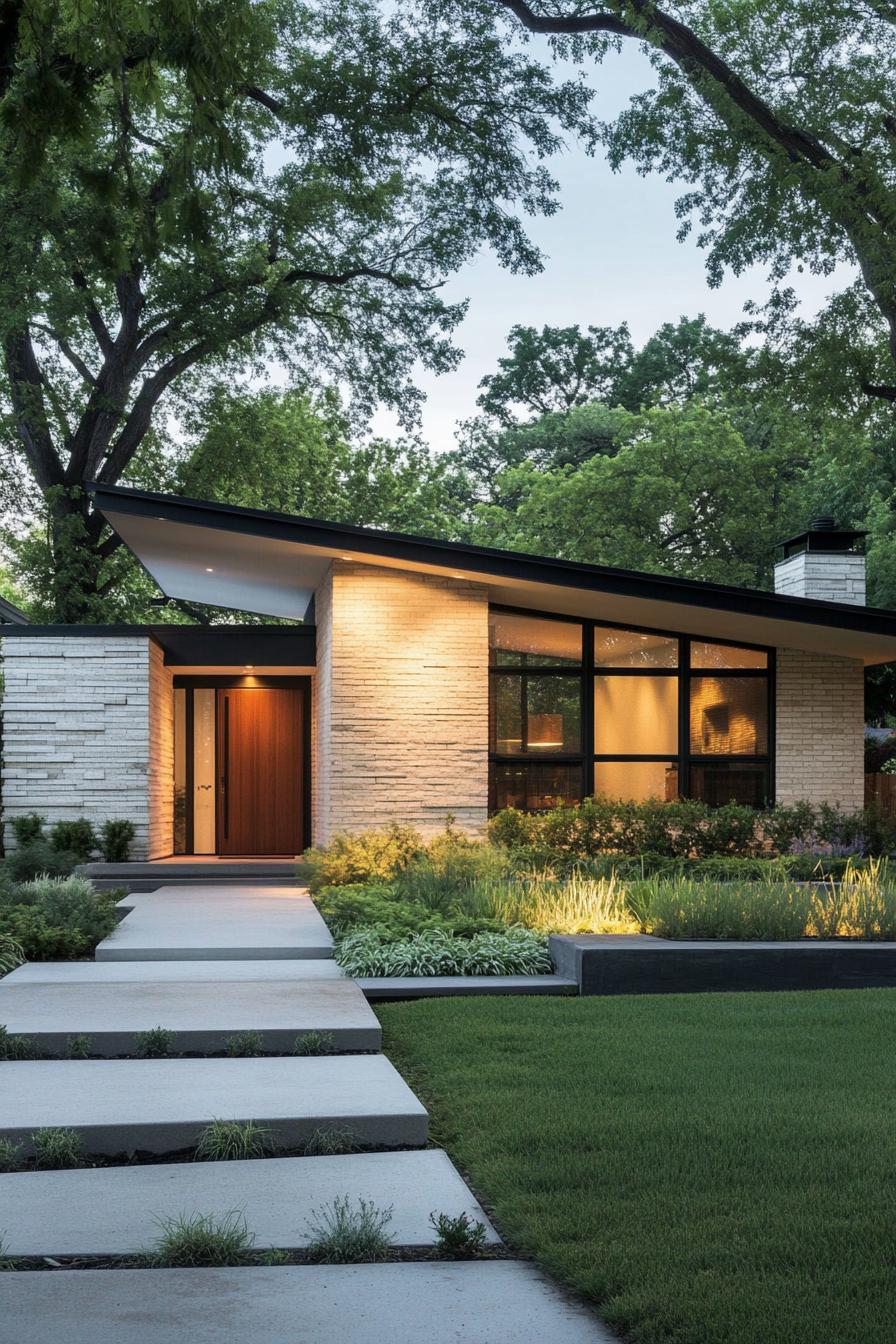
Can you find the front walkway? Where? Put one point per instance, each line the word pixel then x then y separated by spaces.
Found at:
pixel 206 964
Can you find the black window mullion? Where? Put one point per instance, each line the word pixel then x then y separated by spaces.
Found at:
pixel 684 716
pixel 588 724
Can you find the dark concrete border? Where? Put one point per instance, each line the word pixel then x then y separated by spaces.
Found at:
pixel 639 964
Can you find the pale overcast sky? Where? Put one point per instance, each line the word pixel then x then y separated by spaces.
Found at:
pixel 611 255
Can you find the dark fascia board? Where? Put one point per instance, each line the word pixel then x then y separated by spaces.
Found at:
pixel 487 561
pixel 11 615
pixel 186 645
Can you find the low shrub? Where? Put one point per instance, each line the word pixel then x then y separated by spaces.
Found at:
pixel 514 952
pixel 233 1141
pixel 202 1240
pixel 115 840
pixel 345 1235
pixel 459 1238
pixel 17 1047
pixel 244 1045
pixel 156 1043
pixel 314 1043
pixel 375 904
pixel 74 837
pixel 38 859
pixel 370 856
pixel 10 1156
pixel 332 1141
pixel 28 828
pixel 57 1149
pixel 689 830
pixel 54 918
pixel 11 954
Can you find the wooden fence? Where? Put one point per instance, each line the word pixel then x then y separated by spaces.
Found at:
pixel 881 789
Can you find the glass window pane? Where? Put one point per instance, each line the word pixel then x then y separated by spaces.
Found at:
pixel 636 781
pixel 554 714
pixel 633 648
pixel 531 641
pixel 635 716
pixel 729 716
pixel 505 715
pixel 203 771
pixel 726 655
pixel 730 782
pixel 180 770
pixel 535 788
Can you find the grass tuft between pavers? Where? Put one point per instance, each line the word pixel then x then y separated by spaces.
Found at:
pixel 706 1169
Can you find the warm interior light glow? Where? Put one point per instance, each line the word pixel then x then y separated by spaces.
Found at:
pixel 209 569
pixel 546 731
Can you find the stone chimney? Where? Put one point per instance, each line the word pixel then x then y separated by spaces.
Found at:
pixel 827 563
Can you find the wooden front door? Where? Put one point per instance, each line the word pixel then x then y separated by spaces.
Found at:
pixel 260 775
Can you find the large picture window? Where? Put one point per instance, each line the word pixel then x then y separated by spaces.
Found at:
pixel 578 707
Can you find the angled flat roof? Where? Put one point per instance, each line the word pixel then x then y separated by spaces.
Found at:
pixel 271 563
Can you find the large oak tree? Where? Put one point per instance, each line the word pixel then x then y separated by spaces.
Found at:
pixel 189 187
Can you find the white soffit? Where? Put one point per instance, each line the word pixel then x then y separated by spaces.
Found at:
pixel 221 568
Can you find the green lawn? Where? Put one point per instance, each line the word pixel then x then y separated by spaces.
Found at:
pixel 707 1169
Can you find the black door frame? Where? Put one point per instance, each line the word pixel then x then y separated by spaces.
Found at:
pixel 247 682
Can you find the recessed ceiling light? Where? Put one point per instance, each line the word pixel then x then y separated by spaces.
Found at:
pixel 345 557
pixel 250 667
pixel 209 569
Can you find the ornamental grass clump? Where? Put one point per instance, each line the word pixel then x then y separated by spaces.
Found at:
pixel 460 1237
pixel 314 1043
pixel 244 1045
pixel 233 1141
pixel 343 1234
pixel 202 1241
pixel 11 955
pixel 861 905
pixel 57 1149
pixel 550 904
pixel 730 910
pixel 156 1043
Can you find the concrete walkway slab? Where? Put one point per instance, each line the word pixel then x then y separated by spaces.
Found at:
pixel 116 1210
pixel 162 972
pixel 202 1014
pixel 485 1302
pixel 218 923
pixel 160 1105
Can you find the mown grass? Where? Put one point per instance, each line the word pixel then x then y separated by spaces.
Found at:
pixel 706 1169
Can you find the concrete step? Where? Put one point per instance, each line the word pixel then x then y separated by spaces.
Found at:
pixel 484 1302
pixel 162 1105
pixel 163 972
pixel 218 923
pixel 117 1210
pixel 203 1014
pixel 442 986
pixel 193 872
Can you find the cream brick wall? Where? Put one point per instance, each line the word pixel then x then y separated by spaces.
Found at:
pixel 820 717
pixel 76 730
pixel 401 700
pixel 829 576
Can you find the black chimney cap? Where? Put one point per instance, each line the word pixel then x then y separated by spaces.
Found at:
pixel 822 535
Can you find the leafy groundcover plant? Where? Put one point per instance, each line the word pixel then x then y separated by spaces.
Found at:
pixel 516 952
pixel 53 918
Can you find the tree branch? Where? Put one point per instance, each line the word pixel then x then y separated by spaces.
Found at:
pixel 682 45
pixel 879 390
pixel 26 383
pixel 93 315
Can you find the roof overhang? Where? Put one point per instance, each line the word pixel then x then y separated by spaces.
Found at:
pixel 272 563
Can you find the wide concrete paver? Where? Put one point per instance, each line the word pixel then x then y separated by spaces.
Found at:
pixel 202 1014
pixel 218 923
pixel 484 1302
pixel 161 1105
pixel 162 972
pixel 116 1210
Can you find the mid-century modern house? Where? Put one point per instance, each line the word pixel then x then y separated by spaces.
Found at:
pixel 402 679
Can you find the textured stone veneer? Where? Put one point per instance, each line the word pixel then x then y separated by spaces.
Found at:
pixel 79 714
pixel 820 719
pixel 401 700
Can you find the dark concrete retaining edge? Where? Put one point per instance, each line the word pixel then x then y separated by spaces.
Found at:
pixel 444 986
pixel 607 964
